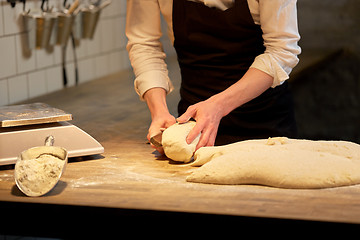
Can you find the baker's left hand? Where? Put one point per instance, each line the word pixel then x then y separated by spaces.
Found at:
pixel 207 115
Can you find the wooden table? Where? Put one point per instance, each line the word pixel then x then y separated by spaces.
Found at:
pixel 131 184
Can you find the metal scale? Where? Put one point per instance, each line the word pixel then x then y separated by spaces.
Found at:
pixel 26 126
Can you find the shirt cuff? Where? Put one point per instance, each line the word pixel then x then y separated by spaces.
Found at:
pixel 266 63
pixel 152 79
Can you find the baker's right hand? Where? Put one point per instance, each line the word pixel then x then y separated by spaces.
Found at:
pixel 158 124
pixel 161 118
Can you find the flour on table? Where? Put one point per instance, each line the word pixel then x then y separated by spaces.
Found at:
pixel 39 175
pixel 279 162
pixel 174 142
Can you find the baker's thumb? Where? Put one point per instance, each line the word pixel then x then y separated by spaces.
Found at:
pixel 185 117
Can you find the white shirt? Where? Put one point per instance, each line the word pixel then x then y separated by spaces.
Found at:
pixel 277 18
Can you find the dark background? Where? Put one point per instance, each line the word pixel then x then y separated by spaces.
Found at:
pixel 326 83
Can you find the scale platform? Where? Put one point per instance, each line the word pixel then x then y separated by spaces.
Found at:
pixel 26 126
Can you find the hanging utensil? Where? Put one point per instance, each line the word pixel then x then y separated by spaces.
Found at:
pixel 38 26
pixel 90 17
pixel 69 13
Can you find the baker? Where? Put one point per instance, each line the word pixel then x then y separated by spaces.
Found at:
pixel 235 57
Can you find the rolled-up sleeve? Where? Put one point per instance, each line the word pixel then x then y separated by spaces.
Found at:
pixel 143 30
pixel 278 20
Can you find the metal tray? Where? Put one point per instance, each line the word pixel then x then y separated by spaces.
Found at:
pixel 28 114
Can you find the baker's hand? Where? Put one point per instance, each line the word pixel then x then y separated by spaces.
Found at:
pixel 158 124
pixel 207 115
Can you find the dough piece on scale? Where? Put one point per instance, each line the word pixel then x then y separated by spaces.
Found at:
pixel 280 162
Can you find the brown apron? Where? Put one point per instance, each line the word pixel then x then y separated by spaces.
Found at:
pixel 215 48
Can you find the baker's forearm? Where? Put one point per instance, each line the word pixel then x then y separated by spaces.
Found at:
pixel 209 113
pixel 156 101
pixel 251 85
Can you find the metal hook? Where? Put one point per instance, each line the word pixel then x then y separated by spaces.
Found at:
pixel 47 5
pixel 24 3
pixel 42 5
pixel 13 3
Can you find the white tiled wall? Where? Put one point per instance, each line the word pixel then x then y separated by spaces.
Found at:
pixel 24 75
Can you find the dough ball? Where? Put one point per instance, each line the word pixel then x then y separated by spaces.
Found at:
pixel 174 142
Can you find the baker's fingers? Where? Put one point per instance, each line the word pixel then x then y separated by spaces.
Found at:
pixel 185 117
pixel 211 140
pixel 203 141
pixel 207 138
pixel 159 125
pixel 197 129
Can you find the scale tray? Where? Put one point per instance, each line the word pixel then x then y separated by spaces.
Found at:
pixel 14 140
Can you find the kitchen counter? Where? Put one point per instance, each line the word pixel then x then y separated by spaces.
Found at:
pixel 131 184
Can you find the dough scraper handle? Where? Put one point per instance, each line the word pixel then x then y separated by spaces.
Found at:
pixel 156 140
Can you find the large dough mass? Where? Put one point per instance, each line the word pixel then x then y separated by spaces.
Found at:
pixel 279 162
